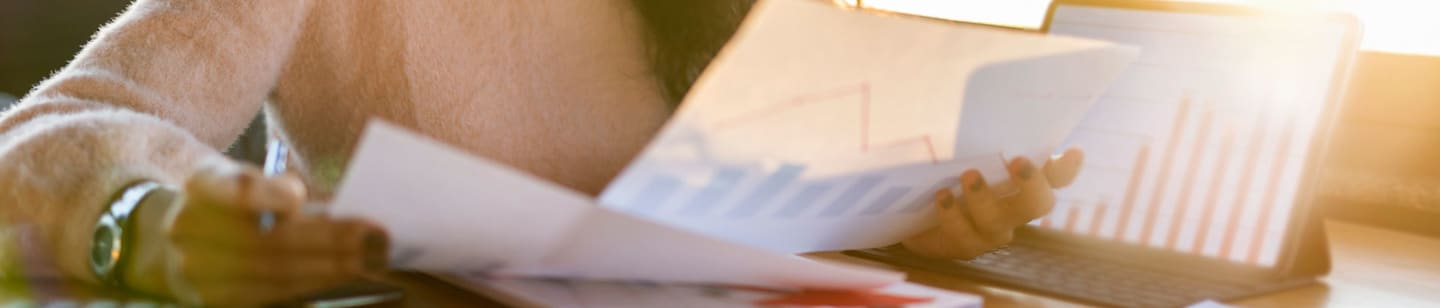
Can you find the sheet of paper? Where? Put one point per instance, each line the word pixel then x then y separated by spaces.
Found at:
pixel 571 293
pixel 819 128
pixel 448 211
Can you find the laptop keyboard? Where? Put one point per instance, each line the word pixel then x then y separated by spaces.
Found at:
pixel 1074 277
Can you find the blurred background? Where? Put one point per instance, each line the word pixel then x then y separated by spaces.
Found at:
pixel 1380 169
pixel 1383 166
pixel 37 37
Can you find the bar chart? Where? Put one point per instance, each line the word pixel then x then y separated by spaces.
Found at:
pixel 1197 149
pixel 786 198
pixel 743 192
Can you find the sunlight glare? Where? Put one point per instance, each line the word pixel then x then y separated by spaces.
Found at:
pixel 1401 26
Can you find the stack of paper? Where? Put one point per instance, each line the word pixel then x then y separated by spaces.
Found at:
pixel 450 212
pixel 580 294
pixel 817 128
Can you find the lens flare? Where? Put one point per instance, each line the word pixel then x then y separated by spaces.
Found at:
pixel 1399 26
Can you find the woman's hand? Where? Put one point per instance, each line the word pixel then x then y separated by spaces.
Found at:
pixel 979 221
pixel 209 246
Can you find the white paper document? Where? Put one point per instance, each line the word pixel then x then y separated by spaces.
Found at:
pixel 819 128
pixel 596 294
pixel 451 212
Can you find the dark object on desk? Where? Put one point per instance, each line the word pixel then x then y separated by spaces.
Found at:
pixel 1088 280
pixel 356 294
pixel 1254 240
pixel 1383 168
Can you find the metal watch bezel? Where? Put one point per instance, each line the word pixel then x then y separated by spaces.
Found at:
pixel 107 254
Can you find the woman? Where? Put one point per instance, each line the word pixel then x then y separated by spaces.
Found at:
pixel 566 90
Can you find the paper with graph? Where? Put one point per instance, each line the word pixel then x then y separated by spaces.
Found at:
pixel 449 212
pixel 819 128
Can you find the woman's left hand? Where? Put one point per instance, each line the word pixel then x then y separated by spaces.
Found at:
pixel 979 221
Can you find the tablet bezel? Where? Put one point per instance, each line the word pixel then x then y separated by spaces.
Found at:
pixel 1304 235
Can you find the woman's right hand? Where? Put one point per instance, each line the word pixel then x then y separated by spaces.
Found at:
pixel 208 246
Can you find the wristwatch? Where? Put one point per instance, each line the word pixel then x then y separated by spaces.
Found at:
pixel 109 243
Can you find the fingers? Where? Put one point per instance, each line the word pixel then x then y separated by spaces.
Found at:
pixel 300 254
pixel 298 236
pixel 983 221
pixel 318 234
pixel 953 238
pixel 985 211
pixel 222 255
pixel 207 266
pixel 243 187
pixel 1061 171
pixel 1036 197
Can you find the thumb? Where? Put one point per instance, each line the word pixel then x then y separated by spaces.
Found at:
pixel 1062 170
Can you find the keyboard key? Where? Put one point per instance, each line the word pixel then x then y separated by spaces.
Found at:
pixel 1086 279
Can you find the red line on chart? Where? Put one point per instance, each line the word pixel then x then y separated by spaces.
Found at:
pixel 1271 190
pixel 1098 219
pixel 1131 190
pixel 1176 133
pixel 929 146
pixel 1253 156
pixel 862 89
pixel 1202 231
pixel 1197 156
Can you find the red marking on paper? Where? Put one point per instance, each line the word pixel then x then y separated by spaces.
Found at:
pixel 862 89
pixel 843 298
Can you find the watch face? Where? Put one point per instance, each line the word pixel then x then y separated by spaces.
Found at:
pixel 105 246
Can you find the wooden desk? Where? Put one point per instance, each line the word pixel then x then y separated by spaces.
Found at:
pixel 1373 267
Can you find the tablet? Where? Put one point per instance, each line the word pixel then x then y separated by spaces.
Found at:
pixel 1209 145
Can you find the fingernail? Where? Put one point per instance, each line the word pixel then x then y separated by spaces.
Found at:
pixel 377 247
pixel 945 199
pixel 1023 169
pixel 242 189
pixel 973 181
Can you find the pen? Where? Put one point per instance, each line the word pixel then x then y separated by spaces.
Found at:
pixel 275 163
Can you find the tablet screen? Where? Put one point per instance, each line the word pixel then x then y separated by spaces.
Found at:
pixel 1200 147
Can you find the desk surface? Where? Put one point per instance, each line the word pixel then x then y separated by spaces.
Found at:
pixel 1373 267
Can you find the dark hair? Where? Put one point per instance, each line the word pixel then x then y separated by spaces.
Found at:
pixel 684 35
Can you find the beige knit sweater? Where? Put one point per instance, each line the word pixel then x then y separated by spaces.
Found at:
pixel 557 88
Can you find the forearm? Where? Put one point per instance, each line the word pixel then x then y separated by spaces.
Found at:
pixel 61 169
pixel 151 97
pixel 206 66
